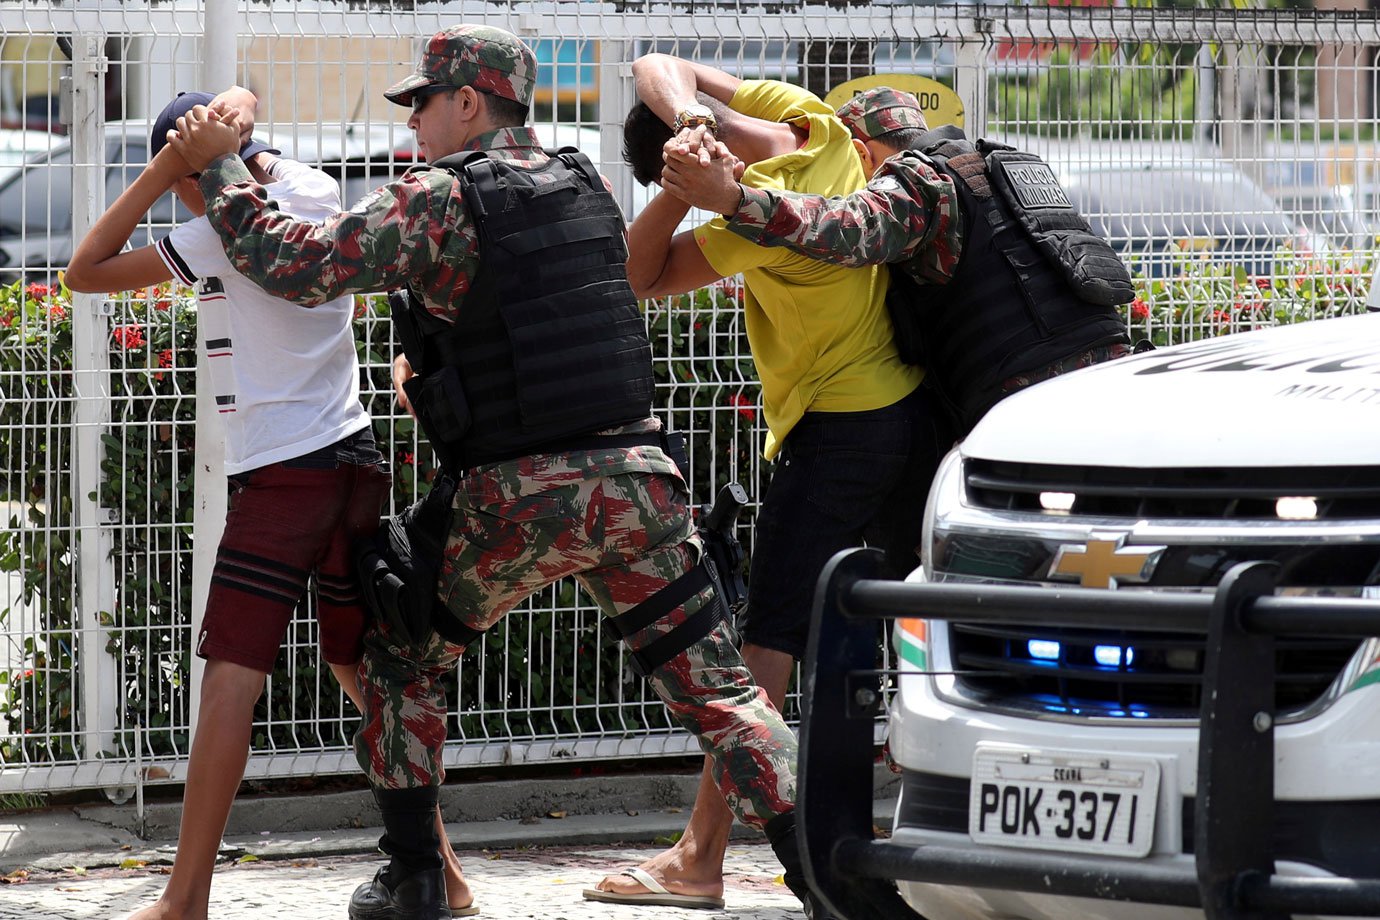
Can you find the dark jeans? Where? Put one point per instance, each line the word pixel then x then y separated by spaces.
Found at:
pixel 842 479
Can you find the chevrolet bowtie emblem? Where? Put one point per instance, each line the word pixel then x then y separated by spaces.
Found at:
pixel 1102 562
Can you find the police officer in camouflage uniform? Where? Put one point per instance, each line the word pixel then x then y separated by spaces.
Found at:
pixel 499 364
pixel 934 210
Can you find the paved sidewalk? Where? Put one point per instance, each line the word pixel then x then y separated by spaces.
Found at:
pixel 528 849
pixel 532 884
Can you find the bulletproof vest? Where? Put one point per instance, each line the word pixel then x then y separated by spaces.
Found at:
pixel 1033 284
pixel 549 346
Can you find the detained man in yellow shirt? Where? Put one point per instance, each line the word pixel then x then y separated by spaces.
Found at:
pixel 855 437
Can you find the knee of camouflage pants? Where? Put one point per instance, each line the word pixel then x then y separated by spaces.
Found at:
pixel 710 692
pixel 399 741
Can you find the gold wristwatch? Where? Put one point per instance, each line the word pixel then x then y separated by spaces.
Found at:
pixel 694 115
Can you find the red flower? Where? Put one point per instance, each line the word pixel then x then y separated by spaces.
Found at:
pixel 165 305
pixel 1263 283
pixel 165 358
pixel 129 336
pixel 1221 316
pixel 38 291
pixel 1140 309
pixel 745 407
pixel 56 313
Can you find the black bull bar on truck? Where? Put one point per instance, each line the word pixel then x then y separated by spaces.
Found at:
pixel 1234 806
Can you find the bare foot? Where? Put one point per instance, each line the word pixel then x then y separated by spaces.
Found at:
pixel 164 910
pixel 678 870
pixel 458 894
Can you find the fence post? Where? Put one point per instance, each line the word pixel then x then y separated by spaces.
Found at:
pixel 220 45
pixel 97 668
pixel 970 76
pixel 1239 86
pixel 219 54
pixel 617 94
pixel 1205 101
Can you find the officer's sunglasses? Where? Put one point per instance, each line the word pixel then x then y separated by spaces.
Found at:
pixel 420 96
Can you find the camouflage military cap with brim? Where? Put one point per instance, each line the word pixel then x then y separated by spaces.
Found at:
pixel 487 58
pixel 878 111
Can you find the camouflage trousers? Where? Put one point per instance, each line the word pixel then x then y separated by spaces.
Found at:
pixel 619 522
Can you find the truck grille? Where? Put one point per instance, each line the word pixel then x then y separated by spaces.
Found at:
pixel 1149 674
pixel 1235 493
pixel 1090 673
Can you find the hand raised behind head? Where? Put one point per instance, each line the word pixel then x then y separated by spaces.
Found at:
pixel 712 186
pixel 243 104
pixel 244 124
pixel 695 143
pixel 201 136
pixel 717 150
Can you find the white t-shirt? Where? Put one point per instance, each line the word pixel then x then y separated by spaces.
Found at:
pixel 285 377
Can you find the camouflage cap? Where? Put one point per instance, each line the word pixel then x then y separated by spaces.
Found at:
pixel 490 59
pixel 879 111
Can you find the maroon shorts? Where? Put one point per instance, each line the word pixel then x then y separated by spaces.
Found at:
pixel 289 521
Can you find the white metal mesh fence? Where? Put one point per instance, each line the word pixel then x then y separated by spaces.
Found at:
pixel 1231 157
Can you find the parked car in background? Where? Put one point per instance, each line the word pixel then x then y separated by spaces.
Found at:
pixel 1148 210
pixel 360 157
pixel 20 144
pixel 1336 216
pixel 751 59
pixel 1333 217
pixel 36 197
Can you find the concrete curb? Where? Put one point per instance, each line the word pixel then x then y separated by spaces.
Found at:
pixel 482 815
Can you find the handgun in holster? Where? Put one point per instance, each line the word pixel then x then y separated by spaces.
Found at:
pixel 718 524
pixel 398 566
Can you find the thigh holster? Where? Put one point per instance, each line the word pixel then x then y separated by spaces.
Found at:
pixel 399 565
pixel 698 625
pixel 720 566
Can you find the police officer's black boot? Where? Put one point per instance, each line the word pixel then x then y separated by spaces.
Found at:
pixel 781 834
pixel 412 885
pixel 863 899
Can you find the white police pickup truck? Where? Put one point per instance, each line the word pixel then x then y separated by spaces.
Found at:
pixel 1138 670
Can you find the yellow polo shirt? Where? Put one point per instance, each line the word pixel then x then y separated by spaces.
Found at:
pixel 820 334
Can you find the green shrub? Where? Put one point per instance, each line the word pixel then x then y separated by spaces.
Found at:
pixel 1203 297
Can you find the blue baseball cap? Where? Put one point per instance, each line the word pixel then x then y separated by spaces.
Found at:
pixel 181 105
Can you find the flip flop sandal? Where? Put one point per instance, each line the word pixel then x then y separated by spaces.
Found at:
pixel 656 894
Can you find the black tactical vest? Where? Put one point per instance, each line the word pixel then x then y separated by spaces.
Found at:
pixel 1033 284
pixel 549 346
